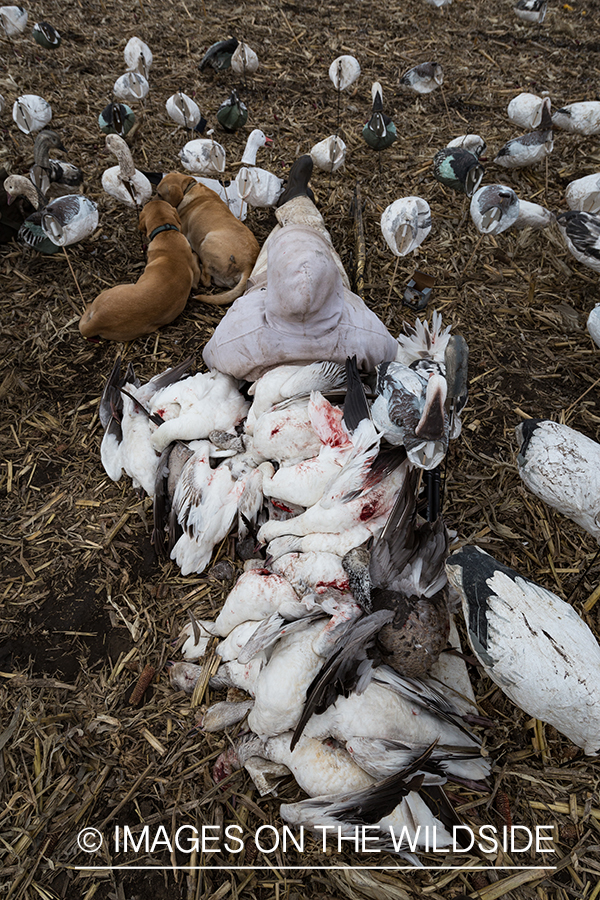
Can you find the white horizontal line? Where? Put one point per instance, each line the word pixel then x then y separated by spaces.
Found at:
pixel 314 868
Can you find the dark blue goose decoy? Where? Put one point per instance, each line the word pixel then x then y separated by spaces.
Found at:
pixel 46 36
pixel 218 56
pixel 116 118
pixel 459 169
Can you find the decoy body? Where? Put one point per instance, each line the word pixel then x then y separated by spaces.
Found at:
pixel 218 56
pixel 562 467
pixel 531 644
pixel 526 110
pixel 13 19
pixel 459 169
pixel 581 233
pixel 31 113
pixel 424 78
pixel 258 187
pixel 583 195
pixel 344 71
pixel 30 232
pixel 532 215
pixel 124 182
pixel 530 148
pixel 405 224
pixel 473 142
pixel 203 156
pixel 47 172
pixel 138 56
pixel 46 36
pixel 70 219
pixel 131 87
pixel 244 60
pixel 494 208
pixel 116 118
pixel 379 132
pixel 593 324
pixel 232 113
pixel 329 154
pixel 183 110
pixel 533 11
pixel 578 118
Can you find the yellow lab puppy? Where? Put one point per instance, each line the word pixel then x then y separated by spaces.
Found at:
pixel 226 247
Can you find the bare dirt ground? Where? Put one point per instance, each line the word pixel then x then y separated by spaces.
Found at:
pixel 85 605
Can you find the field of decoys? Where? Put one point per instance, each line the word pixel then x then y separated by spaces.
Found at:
pixel 266 589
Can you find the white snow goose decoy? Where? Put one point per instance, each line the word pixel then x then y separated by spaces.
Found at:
pixel 257 186
pixel 583 194
pixel 593 324
pixel 47 172
pixel 138 56
pixel 13 20
pixel 70 219
pixel 532 215
pixel 329 154
pixel 526 109
pixel 532 644
pixel 244 60
pixel 183 110
pixel 494 208
pixel 203 156
pixel 131 87
pixel 124 182
pixel 424 78
pixel 405 224
pixel 31 113
pixel 562 467
pixel 531 148
pixel 581 234
pixel 578 118
pixel 474 143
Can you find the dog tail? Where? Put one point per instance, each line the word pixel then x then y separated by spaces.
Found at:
pixel 228 296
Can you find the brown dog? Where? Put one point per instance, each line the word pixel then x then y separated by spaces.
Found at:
pixel 226 247
pixel 129 311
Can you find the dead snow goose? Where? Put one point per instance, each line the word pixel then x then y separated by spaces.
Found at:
pixel 424 78
pixel 562 467
pixel 532 644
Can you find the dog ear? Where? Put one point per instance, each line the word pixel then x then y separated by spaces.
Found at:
pixel 142 221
